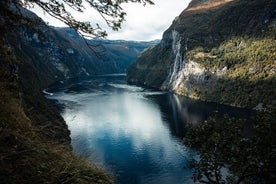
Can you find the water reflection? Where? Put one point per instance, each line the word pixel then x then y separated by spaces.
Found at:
pixel 133 132
pixel 128 135
pixel 180 110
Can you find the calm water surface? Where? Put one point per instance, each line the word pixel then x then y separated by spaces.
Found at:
pixel 132 132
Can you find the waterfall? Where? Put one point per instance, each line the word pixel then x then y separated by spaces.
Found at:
pixel 178 61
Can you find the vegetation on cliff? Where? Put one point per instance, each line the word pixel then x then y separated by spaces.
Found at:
pixel 230 46
pixel 249 76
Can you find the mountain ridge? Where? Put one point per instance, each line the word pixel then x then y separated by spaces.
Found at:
pixel 208 53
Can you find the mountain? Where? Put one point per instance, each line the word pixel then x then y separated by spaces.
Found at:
pixel 216 50
pixel 60 53
pixel 98 56
pixel 122 52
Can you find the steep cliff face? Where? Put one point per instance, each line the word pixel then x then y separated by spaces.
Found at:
pixel 216 50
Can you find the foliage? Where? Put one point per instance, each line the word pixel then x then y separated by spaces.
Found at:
pixel 238 53
pixel 249 78
pixel 234 150
pixel 110 10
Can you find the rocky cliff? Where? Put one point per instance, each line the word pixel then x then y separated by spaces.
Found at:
pixel 216 50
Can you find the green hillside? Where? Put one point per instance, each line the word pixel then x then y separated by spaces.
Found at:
pixel 227 54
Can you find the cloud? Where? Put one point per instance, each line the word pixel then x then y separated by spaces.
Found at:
pixel 149 22
pixel 142 22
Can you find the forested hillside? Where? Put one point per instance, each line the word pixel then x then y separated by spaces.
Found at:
pixel 219 50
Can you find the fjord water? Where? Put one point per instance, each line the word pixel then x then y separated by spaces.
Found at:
pixel 132 132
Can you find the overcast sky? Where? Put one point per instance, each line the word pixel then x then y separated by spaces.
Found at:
pixel 142 23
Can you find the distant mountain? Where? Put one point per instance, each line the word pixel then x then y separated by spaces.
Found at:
pixel 106 56
pixel 122 52
pixel 60 53
pixel 216 50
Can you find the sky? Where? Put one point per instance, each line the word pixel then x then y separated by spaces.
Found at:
pixel 143 23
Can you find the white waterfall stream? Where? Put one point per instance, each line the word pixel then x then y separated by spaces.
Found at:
pixel 178 61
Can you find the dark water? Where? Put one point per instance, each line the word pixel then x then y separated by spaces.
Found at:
pixel 132 132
